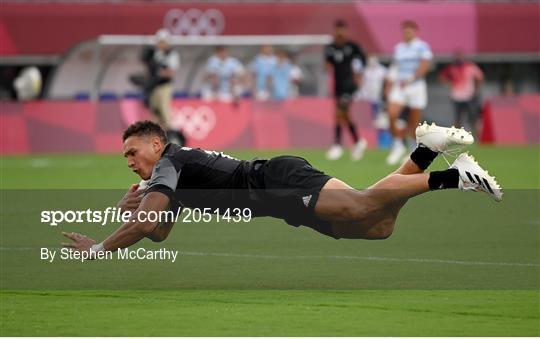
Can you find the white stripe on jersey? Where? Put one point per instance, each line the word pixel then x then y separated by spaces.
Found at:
pixel 185 148
pixel 407 57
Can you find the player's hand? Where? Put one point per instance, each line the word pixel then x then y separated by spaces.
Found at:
pixel 81 243
pixel 132 199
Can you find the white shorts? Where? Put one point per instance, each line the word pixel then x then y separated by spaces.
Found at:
pixel 413 95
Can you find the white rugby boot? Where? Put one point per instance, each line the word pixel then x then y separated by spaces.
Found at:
pixel 358 150
pixel 472 177
pixel 441 139
pixel 334 152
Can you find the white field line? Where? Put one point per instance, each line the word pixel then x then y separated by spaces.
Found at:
pixel 334 257
pixel 370 258
pixel 49 163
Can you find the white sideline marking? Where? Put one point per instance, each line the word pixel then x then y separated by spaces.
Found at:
pixel 49 163
pixel 40 163
pixel 339 257
pixel 417 260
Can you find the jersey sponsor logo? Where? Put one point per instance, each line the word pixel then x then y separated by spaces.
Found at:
pixel 196 122
pixel 194 21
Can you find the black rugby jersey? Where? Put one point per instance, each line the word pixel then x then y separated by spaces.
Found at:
pixel 341 58
pixel 195 177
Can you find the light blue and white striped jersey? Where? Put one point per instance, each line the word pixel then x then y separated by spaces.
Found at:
pixel 225 70
pixel 407 57
pixel 281 80
pixel 262 67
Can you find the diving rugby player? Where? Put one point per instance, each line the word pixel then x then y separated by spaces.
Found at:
pixel 284 187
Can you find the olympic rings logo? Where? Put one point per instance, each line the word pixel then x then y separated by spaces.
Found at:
pixel 194 22
pixel 195 122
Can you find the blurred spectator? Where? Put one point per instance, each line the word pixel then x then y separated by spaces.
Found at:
pixel 346 59
pixel 285 77
pixel 224 77
pixel 261 69
pixel 412 58
pixel 465 79
pixel 162 62
pixel 373 80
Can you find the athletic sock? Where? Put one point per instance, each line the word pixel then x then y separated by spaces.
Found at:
pixel 423 156
pixel 337 135
pixel 439 180
pixel 352 129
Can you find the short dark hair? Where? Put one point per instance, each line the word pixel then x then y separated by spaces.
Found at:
pixel 145 127
pixel 340 23
pixel 409 23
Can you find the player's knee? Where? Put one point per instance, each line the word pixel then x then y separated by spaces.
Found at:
pixel 381 232
pixel 343 108
pixel 156 237
pixel 144 228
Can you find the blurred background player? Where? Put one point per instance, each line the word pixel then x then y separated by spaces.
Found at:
pixel 224 77
pixel 261 68
pixel 162 62
pixel 412 58
pixel 346 58
pixel 373 79
pixel 465 79
pixel 285 77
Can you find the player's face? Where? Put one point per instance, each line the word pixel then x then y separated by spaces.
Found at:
pixel 340 34
pixel 222 54
pixel 266 50
pixel 142 153
pixel 409 33
pixel 162 45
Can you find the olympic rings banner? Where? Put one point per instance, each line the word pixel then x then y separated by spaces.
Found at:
pixel 52 28
pixel 71 126
pixel 74 126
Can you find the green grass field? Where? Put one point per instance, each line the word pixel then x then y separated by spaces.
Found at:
pixel 458 263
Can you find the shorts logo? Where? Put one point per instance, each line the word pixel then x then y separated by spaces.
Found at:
pixel 194 22
pixel 306 200
pixel 196 122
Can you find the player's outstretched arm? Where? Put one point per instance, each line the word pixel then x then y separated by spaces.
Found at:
pixel 131 201
pixel 133 231
pixel 161 231
pixel 130 232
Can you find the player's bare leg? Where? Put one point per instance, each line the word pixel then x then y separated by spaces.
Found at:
pixel 398 147
pixel 371 213
pixel 336 150
pixel 360 144
pixel 413 121
pixel 394 110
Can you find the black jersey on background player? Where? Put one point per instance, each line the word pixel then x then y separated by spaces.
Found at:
pixel 285 187
pixel 346 59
